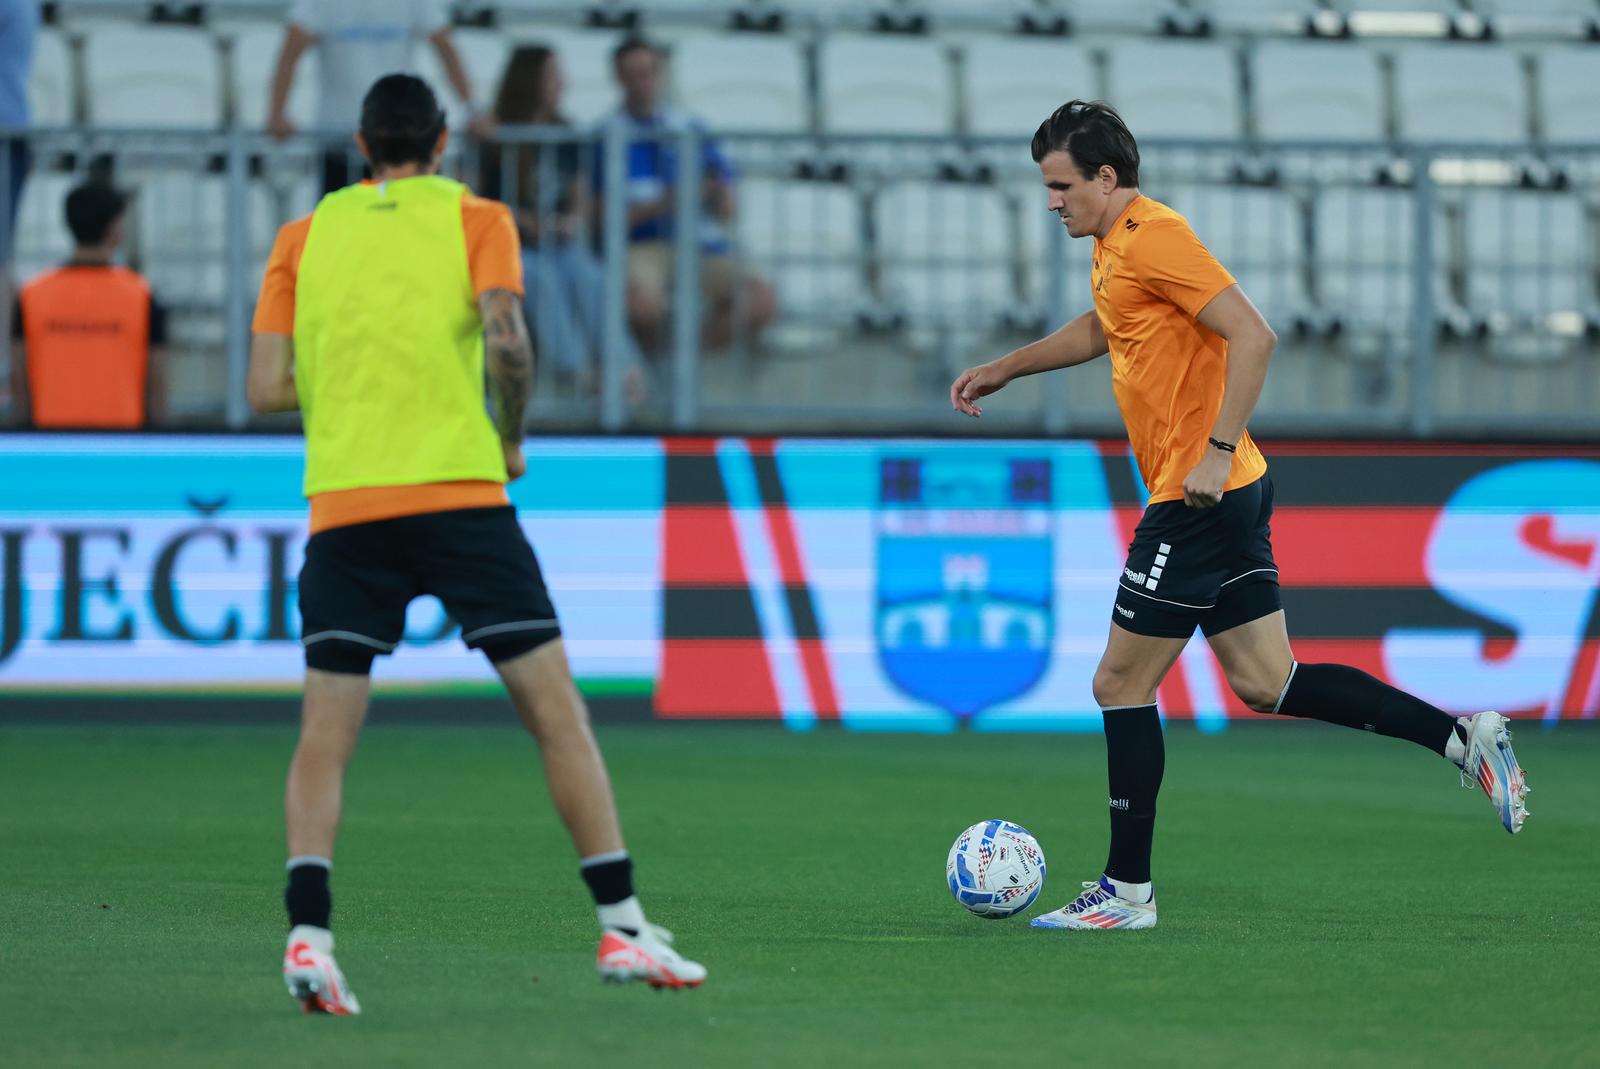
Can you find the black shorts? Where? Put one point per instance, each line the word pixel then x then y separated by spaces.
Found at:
pixel 358 580
pixel 1212 567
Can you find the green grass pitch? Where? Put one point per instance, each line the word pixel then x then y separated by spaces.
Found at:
pixel 1327 899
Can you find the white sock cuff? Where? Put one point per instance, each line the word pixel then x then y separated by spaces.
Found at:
pixel 1284 693
pixel 309 859
pixel 1118 708
pixel 603 859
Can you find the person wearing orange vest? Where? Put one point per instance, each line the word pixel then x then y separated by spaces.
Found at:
pixel 374 320
pixel 93 355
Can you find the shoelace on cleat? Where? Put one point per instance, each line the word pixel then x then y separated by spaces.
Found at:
pixel 1093 896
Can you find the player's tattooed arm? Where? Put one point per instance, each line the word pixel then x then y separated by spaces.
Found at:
pixel 510 352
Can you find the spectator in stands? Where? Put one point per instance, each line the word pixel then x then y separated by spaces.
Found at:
pixel 19 28
pixel 735 298
pixel 358 42
pixel 93 354
pixel 565 280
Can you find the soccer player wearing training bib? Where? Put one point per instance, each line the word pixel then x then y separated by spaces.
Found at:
pixel 374 317
pixel 1189 353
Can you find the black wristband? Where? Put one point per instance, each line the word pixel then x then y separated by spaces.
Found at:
pixel 1224 446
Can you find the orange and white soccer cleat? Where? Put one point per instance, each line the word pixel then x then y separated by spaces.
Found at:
pixel 313 977
pixel 1491 765
pixel 646 954
pixel 1100 908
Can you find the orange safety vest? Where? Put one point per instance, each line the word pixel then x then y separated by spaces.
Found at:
pixel 88 334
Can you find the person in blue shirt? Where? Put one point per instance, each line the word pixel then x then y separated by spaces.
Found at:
pixel 737 301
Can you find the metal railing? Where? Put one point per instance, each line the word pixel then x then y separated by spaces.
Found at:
pixel 1420 290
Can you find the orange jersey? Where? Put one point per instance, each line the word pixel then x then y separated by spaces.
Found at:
pixel 495 261
pixel 88 334
pixel 1152 278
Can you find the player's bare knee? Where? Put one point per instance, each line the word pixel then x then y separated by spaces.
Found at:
pixel 1257 693
pixel 1113 686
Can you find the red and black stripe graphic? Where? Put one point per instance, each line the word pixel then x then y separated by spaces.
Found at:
pixel 798 599
pixel 713 656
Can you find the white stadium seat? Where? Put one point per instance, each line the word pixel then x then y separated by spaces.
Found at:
pixel 1322 92
pixel 1175 89
pixel 483 53
pixel 153 76
pixel 885 85
pixel 42 239
pixel 742 82
pixel 252 62
pixel 181 235
pixel 1402 7
pixel 947 251
pixel 1569 93
pixel 808 238
pixel 1013 84
pixel 1528 253
pixel 1257 235
pixel 1364 242
pixel 1134 15
pixel 1465 92
pixel 50 96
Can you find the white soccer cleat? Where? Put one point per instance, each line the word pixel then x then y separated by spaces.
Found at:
pixel 313 977
pixel 626 954
pixel 1100 908
pixel 1492 765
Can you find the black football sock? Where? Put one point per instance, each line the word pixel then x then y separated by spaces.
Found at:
pixel 307 896
pixel 609 876
pixel 1339 694
pixel 1136 756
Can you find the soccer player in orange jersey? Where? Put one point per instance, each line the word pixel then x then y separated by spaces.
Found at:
pixel 1189 353
pixel 380 315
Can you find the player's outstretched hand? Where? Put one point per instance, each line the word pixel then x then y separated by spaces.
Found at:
pixel 516 464
pixel 973 383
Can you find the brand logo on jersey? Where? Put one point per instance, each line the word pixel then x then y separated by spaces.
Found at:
pixel 1120 803
pixel 965 576
pixel 1124 612
pixel 1130 225
pixel 1137 578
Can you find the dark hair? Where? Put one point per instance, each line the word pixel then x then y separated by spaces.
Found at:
pixel 400 121
pixel 1095 136
pixel 521 96
pixel 633 43
pixel 91 209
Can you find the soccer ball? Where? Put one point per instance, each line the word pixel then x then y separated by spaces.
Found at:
pixel 995 869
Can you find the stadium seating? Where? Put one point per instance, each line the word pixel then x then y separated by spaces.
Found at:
pixel 50 83
pixel 947 252
pixel 1257 234
pixel 153 76
pixel 180 237
pixel 1529 255
pixel 1011 85
pixel 1324 92
pixel 743 82
pixel 42 239
pixel 252 61
pixel 1176 89
pixel 1569 94
pixel 884 85
pixel 1460 93
pixel 1364 242
pixel 808 238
